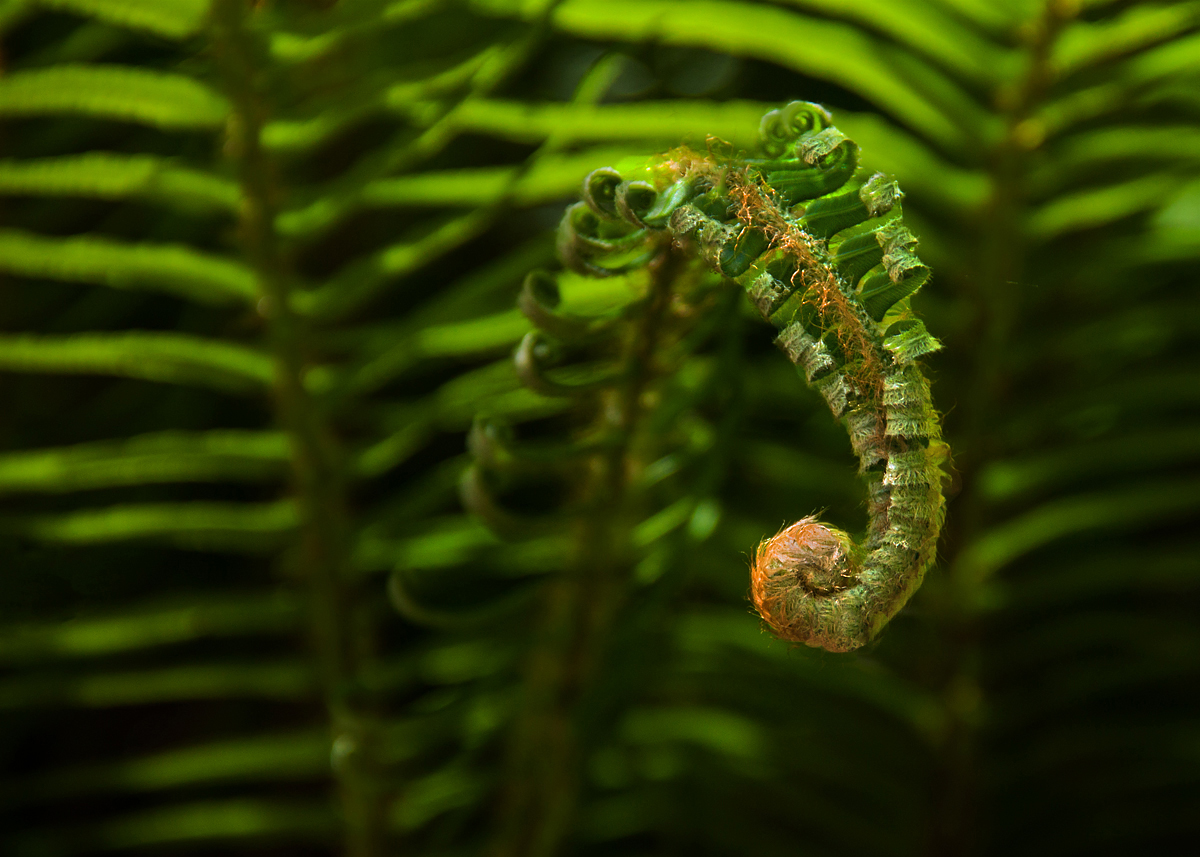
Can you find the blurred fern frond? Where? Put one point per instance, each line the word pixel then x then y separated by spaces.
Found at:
pixel 262 264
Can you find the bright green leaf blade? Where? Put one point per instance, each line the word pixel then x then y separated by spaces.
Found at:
pixel 669 123
pixel 234 527
pixel 925 29
pixel 825 49
pixel 1090 44
pixel 548 179
pixel 168 101
pixel 443 544
pixel 1097 207
pixel 104 175
pixel 167 357
pixel 1138 78
pixel 1174 58
pixel 472 336
pixel 138 629
pixel 1162 146
pixel 174 269
pixel 173 19
pixel 147 459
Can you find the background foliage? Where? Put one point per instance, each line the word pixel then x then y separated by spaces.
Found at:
pixel 260 263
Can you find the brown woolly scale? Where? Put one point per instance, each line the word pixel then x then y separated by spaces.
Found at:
pixel 757 208
pixel 795 578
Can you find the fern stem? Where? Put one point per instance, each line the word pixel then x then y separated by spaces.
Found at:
pixel 548 749
pixel 316 462
pixel 1001 262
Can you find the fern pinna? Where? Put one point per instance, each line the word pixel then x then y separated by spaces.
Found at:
pixel 824 256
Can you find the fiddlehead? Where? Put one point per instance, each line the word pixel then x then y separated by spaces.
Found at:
pixel 824 256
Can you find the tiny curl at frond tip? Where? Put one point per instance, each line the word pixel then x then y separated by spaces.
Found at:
pixel 797 577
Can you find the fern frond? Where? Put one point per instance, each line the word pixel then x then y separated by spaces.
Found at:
pixel 168 101
pixel 856 343
pixel 201 277
pixel 173 19
pixel 831 51
pixel 197 526
pixel 149 627
pixel 166 357
pixel 104 175
pixel 147 459
pixel 262 622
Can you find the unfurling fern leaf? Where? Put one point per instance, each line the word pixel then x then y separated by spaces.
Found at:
pixel 825 258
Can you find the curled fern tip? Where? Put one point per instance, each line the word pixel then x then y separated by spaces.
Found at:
pixel 821 249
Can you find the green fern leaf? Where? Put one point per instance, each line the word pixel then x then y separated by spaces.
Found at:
pixel 148 459
pixel 167 357
pixel 195 526
pixel 174 19
pixel 102 175
pixel 101 261
pixel 150 627
pixel 168 101
pixel 831 51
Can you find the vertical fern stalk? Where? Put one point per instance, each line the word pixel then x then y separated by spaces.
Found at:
pixel 1002 253
pixel 548 749
pixel 317 471
pixel 772 223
